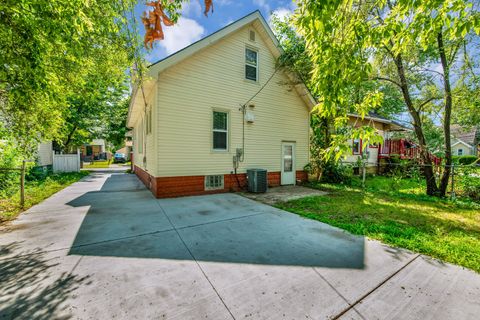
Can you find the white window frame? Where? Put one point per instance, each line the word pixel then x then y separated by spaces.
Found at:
pixel 140 136
pixel 251 65
pixel 149 121
pixel 220 130
pixel 460 152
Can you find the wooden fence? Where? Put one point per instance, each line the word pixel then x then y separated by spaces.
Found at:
pixel 66 162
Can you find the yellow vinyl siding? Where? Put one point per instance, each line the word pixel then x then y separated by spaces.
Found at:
pixel 214 79
pixel 467 150
pixel 149 148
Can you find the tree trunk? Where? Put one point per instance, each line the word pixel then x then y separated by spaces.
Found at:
pixel 447 115
pixel 69 138
pixel 428 172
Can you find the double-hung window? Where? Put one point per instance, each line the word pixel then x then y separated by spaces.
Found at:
pixel 220 131
pixel 357 146
pixel 251 64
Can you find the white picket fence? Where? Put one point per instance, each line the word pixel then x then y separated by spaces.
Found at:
pixel 66 162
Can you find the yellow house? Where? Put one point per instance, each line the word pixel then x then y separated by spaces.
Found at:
pixel 220 106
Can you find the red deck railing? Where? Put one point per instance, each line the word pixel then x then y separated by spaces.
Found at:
pixel 403 149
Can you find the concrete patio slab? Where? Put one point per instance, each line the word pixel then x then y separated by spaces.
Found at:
pixel 192 211
pixel 44 233
pixel 273 292
pixel 36 284
pixel 160 245
pixel 380 262
pixel 106 248
pixel 274 239
pixel 283 194
pixel 56 285
pixel 138 288
pixel 427 289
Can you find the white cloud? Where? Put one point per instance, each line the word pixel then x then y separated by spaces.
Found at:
pixel 262 4
pixel 191 9
pixel 184 33
pixel 281 13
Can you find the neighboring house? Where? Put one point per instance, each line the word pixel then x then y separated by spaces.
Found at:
pixel 94 150
pixel 390 147
pixel 465 142
pixel 217 99
pixel 127 149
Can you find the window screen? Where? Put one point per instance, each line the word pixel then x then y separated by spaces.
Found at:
pixel 220 130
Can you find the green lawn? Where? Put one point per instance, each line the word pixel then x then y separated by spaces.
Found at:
pixel 398 213
pixel 97 165
pixel 36 191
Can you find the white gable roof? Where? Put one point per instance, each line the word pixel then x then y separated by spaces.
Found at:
pixel 255 18
pixel 462 142
pixel 186 52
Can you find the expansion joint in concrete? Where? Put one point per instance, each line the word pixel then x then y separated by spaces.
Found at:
pixel 363 297
pixel 196 262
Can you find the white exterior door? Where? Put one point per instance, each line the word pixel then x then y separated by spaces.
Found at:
pixel 288 163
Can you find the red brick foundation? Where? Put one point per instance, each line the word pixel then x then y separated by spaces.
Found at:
pixel 169 187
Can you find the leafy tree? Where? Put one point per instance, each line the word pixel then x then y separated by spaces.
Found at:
pixel 412 46
pixel 52 52
pixel 296 59
pixel 117 126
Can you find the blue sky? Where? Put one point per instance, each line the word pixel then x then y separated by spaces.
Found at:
pixel 193 25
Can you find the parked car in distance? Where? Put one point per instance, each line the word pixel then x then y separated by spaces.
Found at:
pixel 119 158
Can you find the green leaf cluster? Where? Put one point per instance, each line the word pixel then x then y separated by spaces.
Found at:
pixel 422 53
pixel 62 64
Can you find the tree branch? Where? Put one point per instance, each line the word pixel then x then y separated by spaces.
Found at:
pixel 389 80
pixel 427 101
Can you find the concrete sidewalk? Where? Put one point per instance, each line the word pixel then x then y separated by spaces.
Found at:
pixel 105 248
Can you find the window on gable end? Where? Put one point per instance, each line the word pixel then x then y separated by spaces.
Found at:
pixel 251 64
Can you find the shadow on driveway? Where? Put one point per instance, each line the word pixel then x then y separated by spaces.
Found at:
pixel 31 287
pixel 125 220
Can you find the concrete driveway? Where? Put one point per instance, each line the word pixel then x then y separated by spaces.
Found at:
pixel 105 248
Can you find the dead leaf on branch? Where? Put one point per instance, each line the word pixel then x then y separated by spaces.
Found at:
pixel 154 19
pixel 208 5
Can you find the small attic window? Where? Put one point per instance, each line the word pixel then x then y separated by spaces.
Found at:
pixel 252 35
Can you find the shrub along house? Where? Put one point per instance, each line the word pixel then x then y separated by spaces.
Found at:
pixel 217 108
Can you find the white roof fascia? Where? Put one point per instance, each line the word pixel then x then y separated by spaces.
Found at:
pixel 462 142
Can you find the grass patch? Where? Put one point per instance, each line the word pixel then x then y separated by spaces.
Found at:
pixel 36 191
pixel 400 214
pixel 97 165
